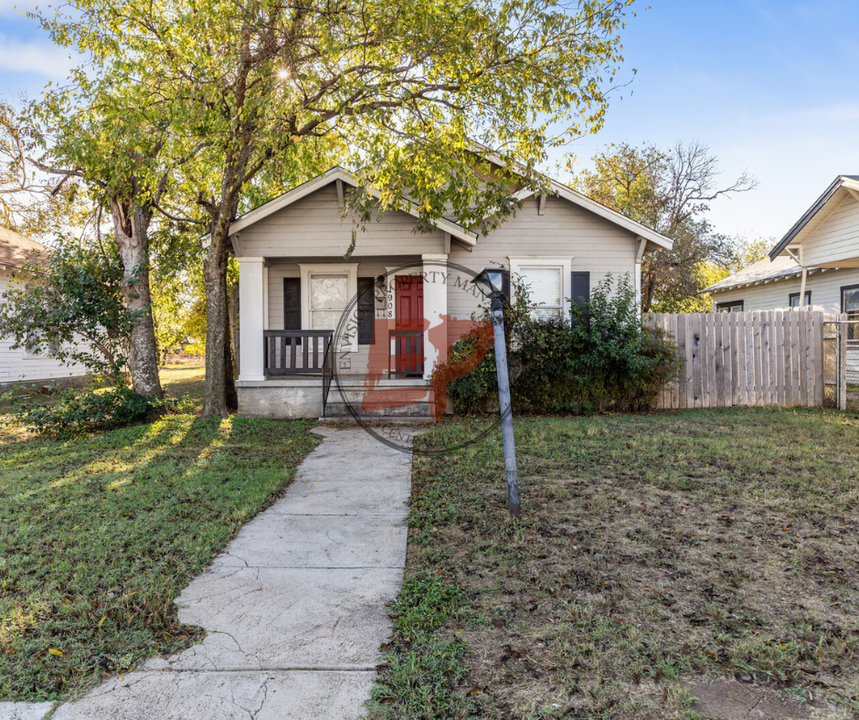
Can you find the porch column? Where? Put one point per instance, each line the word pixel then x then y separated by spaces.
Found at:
pixel 251 318
pixel 435 306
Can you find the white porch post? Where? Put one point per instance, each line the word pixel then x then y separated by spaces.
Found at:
pixel 435 306
pixel 252 318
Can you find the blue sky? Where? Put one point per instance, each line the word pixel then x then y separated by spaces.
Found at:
pixel 770 85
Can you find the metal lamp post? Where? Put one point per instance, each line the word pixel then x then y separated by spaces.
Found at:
pixel 491 282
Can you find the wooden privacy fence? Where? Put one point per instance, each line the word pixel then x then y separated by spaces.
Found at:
pixel 773 357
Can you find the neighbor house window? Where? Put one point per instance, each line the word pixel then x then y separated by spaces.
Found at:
pixel 850 305
pixel 793 299
pixel 547 281
pixel 33 349
pixel 734 306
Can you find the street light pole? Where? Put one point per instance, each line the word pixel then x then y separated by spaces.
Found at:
pixel 497 314
pixel 494 284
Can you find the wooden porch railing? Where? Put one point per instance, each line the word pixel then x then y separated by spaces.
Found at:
pixel 406 353
pixel 297 352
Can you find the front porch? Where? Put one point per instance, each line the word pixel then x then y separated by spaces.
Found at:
pixel 348 340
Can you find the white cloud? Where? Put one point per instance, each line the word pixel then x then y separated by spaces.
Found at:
pixel 42 58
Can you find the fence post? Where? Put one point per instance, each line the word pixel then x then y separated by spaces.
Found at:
pixel 842 362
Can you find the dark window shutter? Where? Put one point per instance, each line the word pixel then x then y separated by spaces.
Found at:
pixel 581 287
pixel 366 310
pixel 292 304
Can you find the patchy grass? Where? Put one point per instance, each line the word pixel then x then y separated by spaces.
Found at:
pixel 100 533
pixel 652 550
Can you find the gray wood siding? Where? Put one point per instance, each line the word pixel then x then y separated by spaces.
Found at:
pixel 825 291
pixel 836 238
pixel 564 230
pixel 315 222
pixel 370 267
pixel 15 366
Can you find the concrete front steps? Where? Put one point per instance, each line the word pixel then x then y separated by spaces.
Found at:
pixel 350 399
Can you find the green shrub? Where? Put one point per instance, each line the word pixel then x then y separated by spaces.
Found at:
pixel 600 356
pixel 74 412
pixel 614 360
pixel 470 393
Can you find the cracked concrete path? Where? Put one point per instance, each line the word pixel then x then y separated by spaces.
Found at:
pixel 294 606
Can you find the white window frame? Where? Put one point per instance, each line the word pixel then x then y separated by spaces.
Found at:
pixel 350 270
pixel 565 264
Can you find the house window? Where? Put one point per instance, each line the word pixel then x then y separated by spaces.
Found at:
pixel 729 307
pixel 793 299
pixel 329 295
pixel 547 281
pixel 326 292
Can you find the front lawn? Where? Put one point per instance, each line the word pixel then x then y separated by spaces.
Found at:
pixel 653 552
pixel 99 534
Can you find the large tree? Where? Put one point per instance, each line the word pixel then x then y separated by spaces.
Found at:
pixel 27 203
pixel 124 150
pixel 409 86
pixel 670 191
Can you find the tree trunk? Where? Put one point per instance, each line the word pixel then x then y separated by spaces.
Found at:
pixel 220 385
pixel 230 359
pixel 131 233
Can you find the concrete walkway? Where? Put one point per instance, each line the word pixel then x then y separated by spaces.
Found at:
pixel 294 607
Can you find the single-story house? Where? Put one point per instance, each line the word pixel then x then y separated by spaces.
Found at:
pixel 818 260
pixel 20 365
pixel 402 297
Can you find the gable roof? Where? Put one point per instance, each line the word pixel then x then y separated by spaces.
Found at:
pixel 17 249
pixel 468 237
pixel 818 211
pixel 653 237
pixel 338 173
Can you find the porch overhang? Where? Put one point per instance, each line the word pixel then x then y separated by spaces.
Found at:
pixel 340 176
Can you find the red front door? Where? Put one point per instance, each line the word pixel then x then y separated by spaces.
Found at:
pixel 409 324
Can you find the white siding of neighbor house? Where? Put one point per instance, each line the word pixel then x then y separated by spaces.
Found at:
pixel 16 366
pixel 825 291
pixel 315 223
pixel 836 238
pixel 564 230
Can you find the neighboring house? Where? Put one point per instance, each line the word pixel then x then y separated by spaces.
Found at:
pixel 406 295
pixel 818 259
pixel 19 364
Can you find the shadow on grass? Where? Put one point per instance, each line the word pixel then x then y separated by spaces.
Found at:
pixel 100 534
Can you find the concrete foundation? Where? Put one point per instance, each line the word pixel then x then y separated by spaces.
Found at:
pixel 291 399
pixel 295 398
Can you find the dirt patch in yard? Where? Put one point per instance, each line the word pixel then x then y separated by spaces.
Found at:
pixel 655 556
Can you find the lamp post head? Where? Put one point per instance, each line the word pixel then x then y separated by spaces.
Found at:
pixel 492 282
